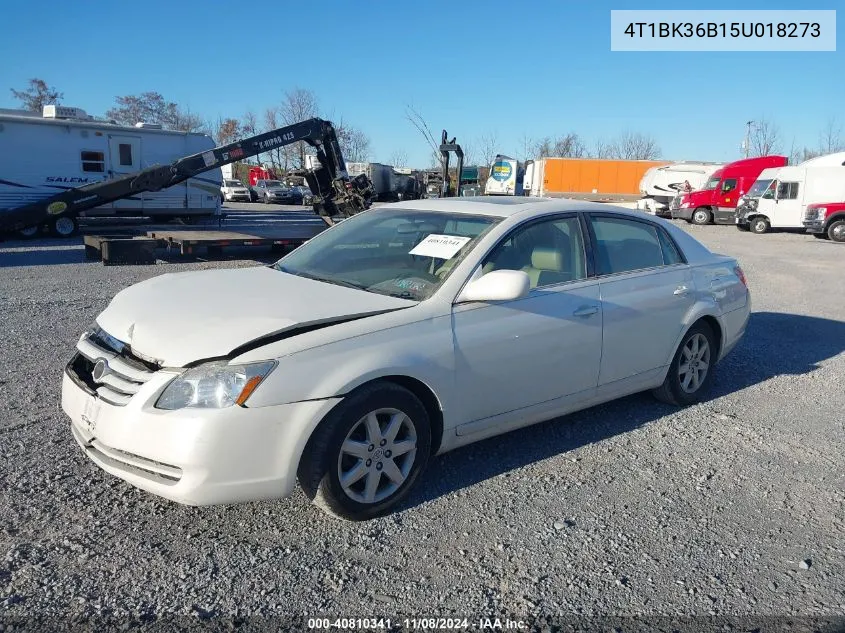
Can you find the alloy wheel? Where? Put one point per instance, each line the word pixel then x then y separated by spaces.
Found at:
pixel 695 363
pixel 377 455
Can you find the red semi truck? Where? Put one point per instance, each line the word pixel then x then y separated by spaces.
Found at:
pixel 716 201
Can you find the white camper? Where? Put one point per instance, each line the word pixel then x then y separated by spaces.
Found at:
pixel 505 177
pixel 64 148
pixel 659 185
pixel 783 200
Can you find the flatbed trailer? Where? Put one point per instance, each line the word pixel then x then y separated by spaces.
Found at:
pixel 128 247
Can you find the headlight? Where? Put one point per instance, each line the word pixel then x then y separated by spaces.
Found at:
pixel 815 214
pixel 214 385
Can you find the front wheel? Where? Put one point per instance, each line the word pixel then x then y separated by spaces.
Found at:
pixel 836 231
pixel 366 454
pixel 691 371
pixel 701 216
pixel 760 225
pixel 64 226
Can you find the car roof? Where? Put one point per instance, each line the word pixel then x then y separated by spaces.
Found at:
pixel 507 206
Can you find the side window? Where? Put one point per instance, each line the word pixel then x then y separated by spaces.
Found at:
pixel 729 185
pixel 93 161
pixel 623 245
pixel 787 191
pixel 551 252
pixel 125 150
pixel 670 251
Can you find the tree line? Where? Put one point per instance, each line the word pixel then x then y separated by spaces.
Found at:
pixel 298 104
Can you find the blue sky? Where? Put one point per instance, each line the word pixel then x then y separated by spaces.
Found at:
pixel 509 69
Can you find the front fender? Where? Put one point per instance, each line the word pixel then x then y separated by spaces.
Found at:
pixel 423 352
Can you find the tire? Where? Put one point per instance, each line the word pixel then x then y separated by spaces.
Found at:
pixel 836 231
pixel 64 226
pixel 701 216
pixel 29 232
pixel 673 390
pixel 759 225
pixel 372 493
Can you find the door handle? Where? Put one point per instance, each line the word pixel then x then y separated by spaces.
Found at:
pixel 584 311
pixel 681 291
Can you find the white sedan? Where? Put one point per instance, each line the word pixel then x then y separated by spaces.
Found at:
pixel 400 333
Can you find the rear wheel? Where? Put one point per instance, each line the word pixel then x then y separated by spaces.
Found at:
pixel 701 216
pixel 366 454
pixel 29 232
pixel 836 231
pixel 64 226
pixel 760 225
pixel 691 371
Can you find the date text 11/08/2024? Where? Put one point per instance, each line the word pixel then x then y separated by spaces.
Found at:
pixel 418 623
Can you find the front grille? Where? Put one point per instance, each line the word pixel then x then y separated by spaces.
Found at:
pixel 120 374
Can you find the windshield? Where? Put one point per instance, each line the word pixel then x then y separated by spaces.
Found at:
pixel 234 183
pixel 273 183
pixel 398 252
pixel 711 183
pixel 758 188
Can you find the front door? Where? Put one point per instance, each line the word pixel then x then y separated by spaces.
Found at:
pixel 125 158
pixel 512 355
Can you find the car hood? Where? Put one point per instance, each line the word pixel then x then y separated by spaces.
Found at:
pixel 178 318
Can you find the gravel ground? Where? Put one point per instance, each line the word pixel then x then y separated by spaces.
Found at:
pixel 733 507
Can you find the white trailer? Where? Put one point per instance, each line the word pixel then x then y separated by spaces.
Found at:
pixel 506 177
pixel 659 185
pixel 64 148
pixel 782 202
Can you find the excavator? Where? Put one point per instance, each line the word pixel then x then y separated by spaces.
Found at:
pixel 336 195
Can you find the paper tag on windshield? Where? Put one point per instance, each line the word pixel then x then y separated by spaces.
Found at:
pixel 440 246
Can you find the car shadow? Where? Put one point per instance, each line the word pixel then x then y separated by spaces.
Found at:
pixel 774 344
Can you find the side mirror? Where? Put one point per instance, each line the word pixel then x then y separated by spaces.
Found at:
pixel 497 285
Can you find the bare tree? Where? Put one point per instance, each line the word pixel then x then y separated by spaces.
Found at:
pixel 399 158
pixel 298 105
pixel 37 95
pixel 527 147
pixel 764 138
pixel 228 131
pixel 831 139
pixel 568 146
pixel 354 144
pixel 634 146
pixel 419 122
pixel 602 149
pixel 488 146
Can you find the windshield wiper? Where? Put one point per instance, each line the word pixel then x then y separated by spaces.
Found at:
pixel 328 280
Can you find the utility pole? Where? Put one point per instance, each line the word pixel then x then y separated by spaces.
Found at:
pixel 748 125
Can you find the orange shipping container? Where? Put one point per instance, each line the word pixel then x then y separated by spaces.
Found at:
pixel 599 177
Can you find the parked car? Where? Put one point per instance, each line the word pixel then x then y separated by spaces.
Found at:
pixel 234 190
pixel 826 220
pixel 274 191
pixel 302 195
pixel 402 332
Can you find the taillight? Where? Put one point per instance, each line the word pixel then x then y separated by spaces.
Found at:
pixel 741 275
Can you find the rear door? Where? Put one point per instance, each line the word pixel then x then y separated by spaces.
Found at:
pixel 646 290
pixel 125 158
pixel 787 211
